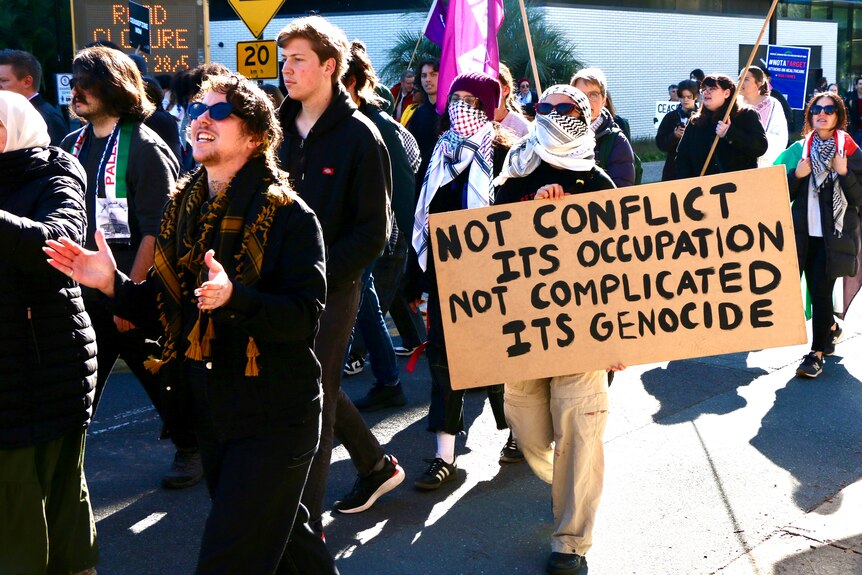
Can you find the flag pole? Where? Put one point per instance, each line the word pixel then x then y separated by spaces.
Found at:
pixel 530 47
pixel 738 82
pixel 413 55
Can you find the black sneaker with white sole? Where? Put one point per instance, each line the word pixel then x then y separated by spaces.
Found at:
pixel 354 365
pixel 811 366
pixel 367 490
pixel 439 472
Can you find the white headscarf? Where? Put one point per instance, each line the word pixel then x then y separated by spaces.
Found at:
pixel 25 127
pixel 562 141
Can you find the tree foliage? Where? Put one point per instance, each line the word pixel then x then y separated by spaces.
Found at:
pixel 43 28
pixel 555 54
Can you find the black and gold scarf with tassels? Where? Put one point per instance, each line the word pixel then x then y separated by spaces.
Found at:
pixel 235 223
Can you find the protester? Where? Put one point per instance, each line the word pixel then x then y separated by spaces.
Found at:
pixel 833 88
pixel 465 160
pixel 238 284
pixel 125 201
pixel 755 93
pixel 673 93
pixel 48 373
pixel 169 100
pixel 509 114
pixel 21 72
pixel 559 421
pixel 339 165
pixel 403 92
pixel 423 121
pixel 673 125
pixel 360 81
pixel 614 153
pixel 788 112
pixel 826 190
pixel 527 98
pixel 854 111
pixel 741 139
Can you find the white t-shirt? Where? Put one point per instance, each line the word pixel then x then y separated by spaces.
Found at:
pixel 815 226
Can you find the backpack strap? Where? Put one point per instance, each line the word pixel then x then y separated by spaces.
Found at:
pixel 606 147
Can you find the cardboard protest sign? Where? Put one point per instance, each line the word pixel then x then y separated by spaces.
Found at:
pixel 660 272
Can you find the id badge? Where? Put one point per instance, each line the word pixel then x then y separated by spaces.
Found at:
pixel 112 217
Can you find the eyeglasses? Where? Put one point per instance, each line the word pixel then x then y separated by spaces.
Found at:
pixel 594 96
pixel 218 111
pixel 471 101
pixel 828 109
pixel 564 109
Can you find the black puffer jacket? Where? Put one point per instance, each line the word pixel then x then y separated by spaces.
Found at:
pixel 744 142
pixel 47 347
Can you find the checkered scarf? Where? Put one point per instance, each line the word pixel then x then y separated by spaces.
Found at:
pixel 454 153
pixel 564 142
pixel 822 152
pixel 236 224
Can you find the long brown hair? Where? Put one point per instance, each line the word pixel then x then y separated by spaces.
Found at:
pixel 114 79
pixel 705 116
pixel 840 109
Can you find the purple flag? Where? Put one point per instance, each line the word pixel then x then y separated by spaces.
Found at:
pixel 435 25
pixel 469 43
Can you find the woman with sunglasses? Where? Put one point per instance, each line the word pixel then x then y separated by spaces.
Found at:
pixel 673 125
pixel 741 139
pixel 755 93
pixel 826 189
pixel 468 155
pixel 557 160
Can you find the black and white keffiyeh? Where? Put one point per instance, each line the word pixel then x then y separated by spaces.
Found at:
pixel 565 142
pixel 822 152
pixel 454 153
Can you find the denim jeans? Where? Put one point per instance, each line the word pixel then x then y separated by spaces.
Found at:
pixel 371 325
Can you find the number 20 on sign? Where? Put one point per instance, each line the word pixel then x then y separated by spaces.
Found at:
pixel 257 60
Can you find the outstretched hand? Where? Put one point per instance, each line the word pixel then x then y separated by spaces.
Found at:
pixel 218 289
pixel 89 268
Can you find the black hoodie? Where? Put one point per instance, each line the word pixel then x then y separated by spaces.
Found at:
pixel 342 172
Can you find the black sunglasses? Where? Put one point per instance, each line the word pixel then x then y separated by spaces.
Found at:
pixel 829 109
pixel 218 111
pixel 545 108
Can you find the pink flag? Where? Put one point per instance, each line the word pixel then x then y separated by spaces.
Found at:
pixel 469 43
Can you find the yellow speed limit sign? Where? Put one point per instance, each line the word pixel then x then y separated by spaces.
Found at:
pixel 257 60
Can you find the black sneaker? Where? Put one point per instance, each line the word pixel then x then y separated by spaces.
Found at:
pixel 835 335
pixel 381 396
pixel 186 470
pixel 510 452
pixel 811 366
pixel 367 490
pixel 354 365
pixel 439 472
pixel 565 563
pixel 404 351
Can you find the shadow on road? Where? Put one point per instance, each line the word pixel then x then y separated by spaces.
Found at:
pixel 813 430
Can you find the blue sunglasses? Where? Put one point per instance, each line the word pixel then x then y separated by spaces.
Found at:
pixel 545 108
pixel 218 111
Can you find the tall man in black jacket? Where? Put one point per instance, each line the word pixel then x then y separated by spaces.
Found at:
pixel 339 165
pixel 21 72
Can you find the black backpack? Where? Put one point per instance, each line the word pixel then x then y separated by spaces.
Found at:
pixel 605 148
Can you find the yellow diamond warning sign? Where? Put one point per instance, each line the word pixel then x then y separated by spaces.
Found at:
pixel 256 14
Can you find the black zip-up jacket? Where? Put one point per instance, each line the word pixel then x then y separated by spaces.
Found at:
pixel 341 169
pixel 47 347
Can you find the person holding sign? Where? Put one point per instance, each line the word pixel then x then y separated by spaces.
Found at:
pixel 559 421
pixel 673 125
pixel 826 189
pixel 468 155
pixel 741 139
pixel 755 93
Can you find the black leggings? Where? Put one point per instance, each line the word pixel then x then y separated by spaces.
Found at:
pixel 820 286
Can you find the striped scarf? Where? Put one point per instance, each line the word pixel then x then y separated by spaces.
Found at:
pixel 452 155
pixel 235 224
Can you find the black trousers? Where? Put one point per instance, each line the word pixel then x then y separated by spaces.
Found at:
pixel 135 348
pixel 341 419
pixel 820 286
pixel 257 525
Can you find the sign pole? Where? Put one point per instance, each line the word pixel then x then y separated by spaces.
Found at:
pixel 738 83
pixel 530 47
pixel 206 8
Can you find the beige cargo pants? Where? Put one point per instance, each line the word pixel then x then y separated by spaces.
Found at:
pixel 558 423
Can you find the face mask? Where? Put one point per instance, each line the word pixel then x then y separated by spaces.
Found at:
pixel 571 125
pixel 465 119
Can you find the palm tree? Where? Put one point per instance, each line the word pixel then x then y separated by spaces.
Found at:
pixel 555 54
